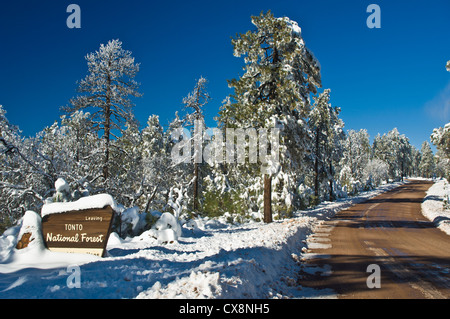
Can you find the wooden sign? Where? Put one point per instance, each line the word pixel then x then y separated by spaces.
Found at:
pixel 82 231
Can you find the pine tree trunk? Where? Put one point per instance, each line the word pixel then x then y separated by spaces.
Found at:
pixel 196 186
pixel 105 163
pixel 316 178
pixel 331 183
pixel 316 167
pixel 403 170
pixel 107 125
pixel 267 198
pixel 267 177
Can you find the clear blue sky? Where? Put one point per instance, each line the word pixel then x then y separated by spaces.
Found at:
pixel 381 78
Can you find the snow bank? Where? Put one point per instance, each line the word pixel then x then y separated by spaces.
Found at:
pixel 433 205
pixel 233 262
pixel 89 202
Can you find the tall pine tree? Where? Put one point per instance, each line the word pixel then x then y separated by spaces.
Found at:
pixel 194 102
pixel 280 74
pixel 328 135
pixel 427 164
pixel 107 91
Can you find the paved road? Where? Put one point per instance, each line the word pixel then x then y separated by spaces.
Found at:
pixel 389 231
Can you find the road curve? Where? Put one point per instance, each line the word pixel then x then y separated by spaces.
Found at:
pixel 388 231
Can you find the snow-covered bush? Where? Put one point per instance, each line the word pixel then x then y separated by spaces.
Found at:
pixel 167 229
pixel 441 139
pixel 446 201
pixel 375 172
pixel 62 191
pixel 306 194
pixel 133 222
pixel 232 202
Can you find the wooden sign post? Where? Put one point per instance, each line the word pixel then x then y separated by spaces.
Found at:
pixel 79 231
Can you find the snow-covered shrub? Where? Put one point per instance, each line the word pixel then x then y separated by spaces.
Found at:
pixel 167 229
pixel 133 222
pixel 446 201
pixel 375 172
pixel 305 194
pixel 218 203
pixel 8 241
pixel 62 191
pixel 338 190
pixel 176 203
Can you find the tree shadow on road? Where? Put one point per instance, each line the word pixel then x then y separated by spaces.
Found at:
pixel 349 274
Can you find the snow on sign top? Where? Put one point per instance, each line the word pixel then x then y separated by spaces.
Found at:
pixel 89 202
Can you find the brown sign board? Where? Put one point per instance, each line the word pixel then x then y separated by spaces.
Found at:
pixel 82 231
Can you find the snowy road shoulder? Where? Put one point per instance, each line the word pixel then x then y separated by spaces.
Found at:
pixel 433 205
pixel 211 260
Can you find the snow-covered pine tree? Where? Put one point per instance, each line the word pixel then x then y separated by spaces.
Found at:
pixel 354 159
pixel 26 174
pixel 375 172
pixel 280 74
pixel 194 103
pixel 381 150
pixel 441 138
pixel 107 91
pixel 156 159
pixel 12 184
pixel 415 161
pixel 394 149
pixel 82 149
pixel 327 135
pixel 126 163
pixel 427 164
pixel 70 151
pixel 442 165
pixel 177 139
pixel 404 156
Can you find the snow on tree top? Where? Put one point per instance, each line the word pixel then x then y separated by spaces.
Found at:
pixel 61 185
pixel 89 202
pixel 297 33
pixel 293 25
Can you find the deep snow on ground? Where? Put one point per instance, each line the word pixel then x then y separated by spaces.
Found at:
pixel 433 208
pixel 212 259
